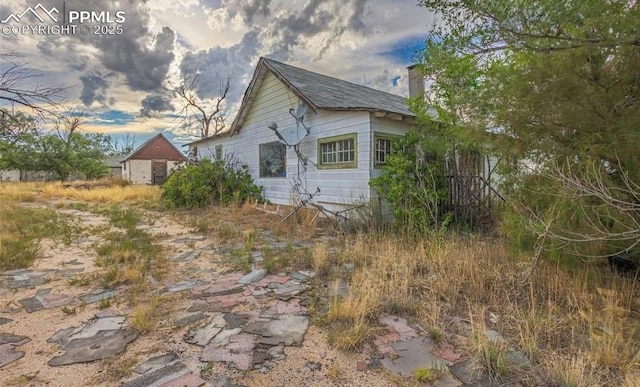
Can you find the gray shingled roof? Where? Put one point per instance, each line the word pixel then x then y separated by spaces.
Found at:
pixel 329 93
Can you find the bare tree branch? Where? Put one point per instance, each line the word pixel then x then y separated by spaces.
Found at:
pixel 18 87
pixel 608 212
pixel 209 115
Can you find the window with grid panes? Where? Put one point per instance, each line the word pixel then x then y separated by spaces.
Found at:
pixel 382 147
pixel 337 152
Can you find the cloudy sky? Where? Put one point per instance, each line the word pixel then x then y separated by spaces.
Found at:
pixel 119 80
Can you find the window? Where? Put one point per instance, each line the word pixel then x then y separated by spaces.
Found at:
pixel 382 148
pixel 337 152
pixel 273 159
pixel 218 151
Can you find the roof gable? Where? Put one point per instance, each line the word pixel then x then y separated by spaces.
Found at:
pixel 322 92
pixel 157 147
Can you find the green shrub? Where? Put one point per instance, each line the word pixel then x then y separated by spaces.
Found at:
pixel 209 182
pixel 412 183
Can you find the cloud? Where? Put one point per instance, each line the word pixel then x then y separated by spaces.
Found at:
pixel 358 40
pixel 356 21
pixel 153 104
pixel 254 8
pixel 145 67
pixel 216 65
pixel 68 50
pixel 94 89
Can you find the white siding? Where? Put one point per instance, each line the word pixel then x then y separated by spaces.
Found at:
pixel 272 103
pixel 10 175
pixel 139 171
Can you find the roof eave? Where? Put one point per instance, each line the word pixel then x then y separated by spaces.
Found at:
pixel 379 113
pixel 212 137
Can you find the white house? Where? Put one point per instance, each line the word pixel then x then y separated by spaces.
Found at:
pixel 348 138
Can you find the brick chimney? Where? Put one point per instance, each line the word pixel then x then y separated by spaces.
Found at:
pixel 416 81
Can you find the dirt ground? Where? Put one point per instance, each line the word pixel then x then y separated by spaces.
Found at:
pixel 311 362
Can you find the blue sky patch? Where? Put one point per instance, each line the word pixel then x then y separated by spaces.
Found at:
pixel 405 50
pixel 112 118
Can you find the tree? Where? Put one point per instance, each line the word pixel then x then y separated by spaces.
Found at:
pixel 558 86
pixel 66 150
pixel 19 88
pixel 208 114
pixel 63 150
pixel 121 146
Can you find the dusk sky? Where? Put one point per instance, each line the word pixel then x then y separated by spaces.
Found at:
pixel 116 76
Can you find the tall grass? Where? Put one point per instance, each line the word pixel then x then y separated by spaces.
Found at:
pixel 130 254
pixel 102 192
pixel 22 228
pixel 587 320
pixel 113 194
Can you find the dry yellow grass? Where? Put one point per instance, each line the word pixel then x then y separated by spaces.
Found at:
pixel 106 192
pixel 19 191
pixel 113 194
pixel 584 321
pixel 145 316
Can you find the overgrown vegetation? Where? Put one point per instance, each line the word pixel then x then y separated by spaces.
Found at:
pixel 413 181
pixel 551 88
pixel 22 229
pixel 25 145
pixel 131 254
pixel 577 327
pixel 100 191
pixel 568 325
pixel 209 182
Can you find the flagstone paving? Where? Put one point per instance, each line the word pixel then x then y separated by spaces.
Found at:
pixel 227 321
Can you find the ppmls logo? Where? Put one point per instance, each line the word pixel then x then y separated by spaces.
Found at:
pixel 34 12
pixel 72 22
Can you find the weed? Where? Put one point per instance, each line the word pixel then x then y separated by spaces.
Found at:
pixel 83 280
pixel 206 367
pixel 435 334
pixel 428 375
pixel 144 316
pixel 321 261
pixel 129 257
pixel 24 380
pixel 250 238
pixel 104 303
pixel 335 372
pixel 126 218
pixel 491 353
pixel 22 229
pixel 242 259
pixel 350 336
pixel 102 194
pixel 68 310
pixel 201 224
pixel 110 277
pixel 226 232
pixel 118 368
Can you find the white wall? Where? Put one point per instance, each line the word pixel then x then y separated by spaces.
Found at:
pixel 272 103
pixel 12 175
pixel 139 171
